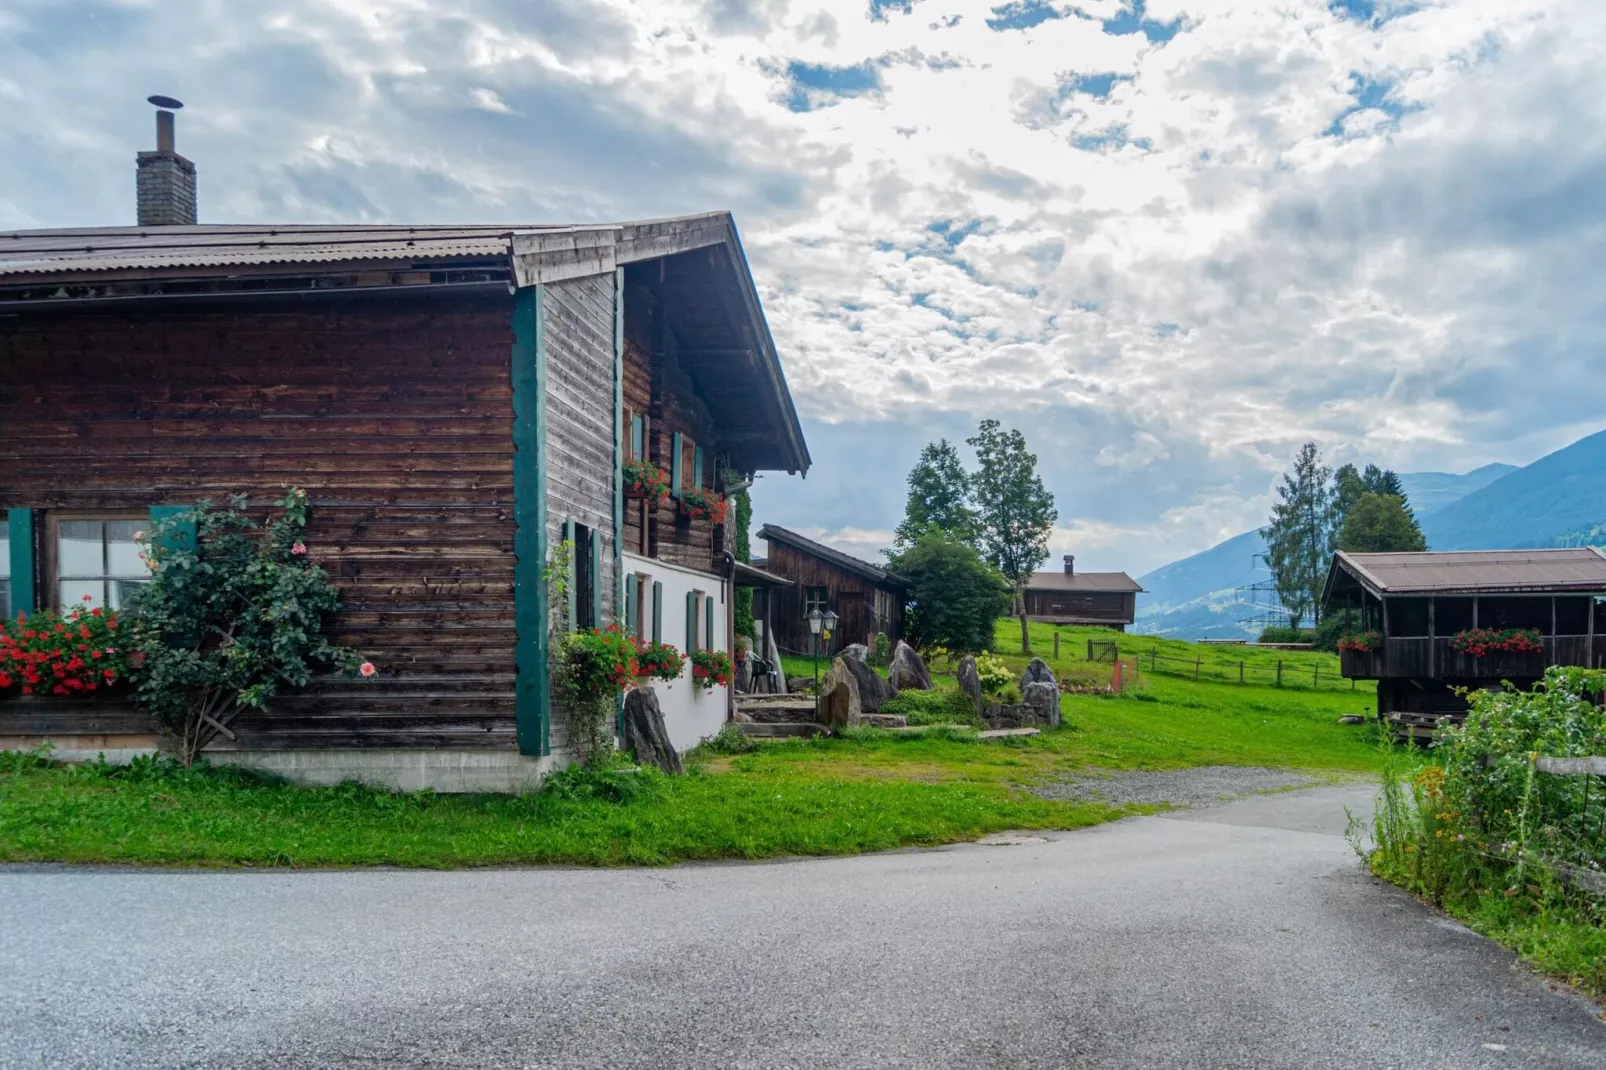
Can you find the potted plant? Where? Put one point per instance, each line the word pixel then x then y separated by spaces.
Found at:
pixel 75 654
pixel 1361 642
pixel 645 480
pixel 658 661
pixel 710 667
pixel 700 503
pixel 1477 642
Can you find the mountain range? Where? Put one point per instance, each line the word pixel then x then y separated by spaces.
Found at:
pixel 1558 500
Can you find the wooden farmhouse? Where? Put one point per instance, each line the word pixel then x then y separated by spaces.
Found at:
pixel 1107 599
pixel 866 598
pixel 454 400
pixel 1421 607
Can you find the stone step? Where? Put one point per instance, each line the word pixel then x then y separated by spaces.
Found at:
pixel 774 715
pixel 783 729
pixel 775 700
pixel 884 720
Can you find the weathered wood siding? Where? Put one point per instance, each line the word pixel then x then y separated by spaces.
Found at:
pixel 851 597
pixel 1095 607
pixel 392 412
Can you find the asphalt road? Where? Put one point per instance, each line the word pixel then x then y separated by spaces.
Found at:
pixel 1244 936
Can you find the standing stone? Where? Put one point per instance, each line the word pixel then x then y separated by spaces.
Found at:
pixel 970 682
pixel 645 733
pixel 857 651
pixel 873 689
pixel 1037 672
pixel 772 654
pixel 744 676
pixel 907 672
pixel 839 697
pixel 1044 699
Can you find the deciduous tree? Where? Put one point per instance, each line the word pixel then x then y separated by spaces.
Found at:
pixel 939 498
pixel 1380 523
pixel 954 596
pixel 1014 511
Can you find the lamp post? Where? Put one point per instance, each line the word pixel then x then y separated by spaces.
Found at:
pixel 816 621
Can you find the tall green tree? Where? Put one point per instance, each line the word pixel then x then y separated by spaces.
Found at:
pixel 939 497
pixel 954 596
pixel 1299 537
pixel 1348 488
pixel 1014 511
pixel 743 551
pixel 1380 523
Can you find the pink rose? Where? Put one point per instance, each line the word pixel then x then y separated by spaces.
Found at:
pixel 367 668
pixel 298 547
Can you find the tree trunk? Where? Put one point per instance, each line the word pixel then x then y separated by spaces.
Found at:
pixel 1025 635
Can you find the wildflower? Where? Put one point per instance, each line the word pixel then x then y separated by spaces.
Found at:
pixel 298 547
pixel 367 668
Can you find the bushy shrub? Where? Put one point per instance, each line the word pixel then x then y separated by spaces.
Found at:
pixel 941 706
pixel 954 596
pixel 729 740
pixel 881 651
pixel 613 780
pixel 1287 635
pixel 993 674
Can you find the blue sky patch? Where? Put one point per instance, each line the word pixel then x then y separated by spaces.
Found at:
pixel 1111 137
pixel 811 81
pixel 1094 85
pixel 1023 15
pixel 952 231
pixel 1135 19
pixel 1369 93
pixel 1371 11
pixel 879 8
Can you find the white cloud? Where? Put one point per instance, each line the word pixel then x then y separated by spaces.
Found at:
pixel 1169 261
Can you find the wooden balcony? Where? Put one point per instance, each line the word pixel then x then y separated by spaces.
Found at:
pixel 1426 659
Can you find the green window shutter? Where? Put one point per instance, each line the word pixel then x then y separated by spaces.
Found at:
pixel 708 629
pixel 630 605
pixel 596 578
pixel 674 464
pixel 657 612
pixel 691 622
pixel 573 606
pixel 697 467
pixel 19 532
pixel 638 436
pixel 180 532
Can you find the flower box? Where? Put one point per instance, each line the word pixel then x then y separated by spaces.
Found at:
pixel 645 481
pixel 702 504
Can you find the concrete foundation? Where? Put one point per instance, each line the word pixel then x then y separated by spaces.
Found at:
pixel 446 771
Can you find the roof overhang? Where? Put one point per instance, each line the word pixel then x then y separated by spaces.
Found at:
pixel 1350 572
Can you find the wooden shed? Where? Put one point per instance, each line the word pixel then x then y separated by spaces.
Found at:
pixel 1422 606
pixel 1107 599
pixel 866 598
pixel 455 401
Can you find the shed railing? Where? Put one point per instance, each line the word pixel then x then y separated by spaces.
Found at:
pixel 1424 658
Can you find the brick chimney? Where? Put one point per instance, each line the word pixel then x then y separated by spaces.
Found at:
pixel 1070 564
pixel 165 181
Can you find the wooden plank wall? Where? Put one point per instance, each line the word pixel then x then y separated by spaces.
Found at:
pixel 1113 607
pixel 658 387
pixel 852 598
pixel 393 413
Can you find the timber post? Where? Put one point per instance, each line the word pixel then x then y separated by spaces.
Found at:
pixel 1279 672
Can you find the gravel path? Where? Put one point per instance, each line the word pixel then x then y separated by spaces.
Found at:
pixel 1207 785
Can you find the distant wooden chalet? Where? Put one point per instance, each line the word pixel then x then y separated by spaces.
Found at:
pixel 454 400
pixel 866 598
pixel 1108 599
pixel 1418 604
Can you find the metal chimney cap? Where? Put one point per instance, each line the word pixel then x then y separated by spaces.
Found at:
pixel 165 102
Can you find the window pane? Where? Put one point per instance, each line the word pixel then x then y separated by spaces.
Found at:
pixel 79 551
pixel 73 591
pixel 122 590
pixel 122 552
pixel 5 553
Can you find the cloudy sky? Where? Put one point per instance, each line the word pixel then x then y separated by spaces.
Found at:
pixel 1168 239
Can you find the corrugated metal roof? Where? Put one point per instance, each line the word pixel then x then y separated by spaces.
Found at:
pixel 1084 581
pixel 1479 571
pixel 56 252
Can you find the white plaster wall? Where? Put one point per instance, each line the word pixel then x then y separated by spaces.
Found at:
pixel 690 715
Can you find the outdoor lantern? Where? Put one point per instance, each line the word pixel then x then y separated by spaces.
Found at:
pixel 829 623
pixel 815 620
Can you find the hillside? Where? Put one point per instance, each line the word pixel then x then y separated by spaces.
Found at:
pixel 1197 597
pixel 1557 494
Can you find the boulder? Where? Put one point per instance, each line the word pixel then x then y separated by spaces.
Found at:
pixel 795 684
pixel 1006 715
pixel 907 672
pixel 857 651
pixel 645 733
pixel 1045 699
pixel 873 689
pixel 839 697
pixel 885 720
pixel 772 655
pixel 1037 672
pixel 744 676
pixel 970 682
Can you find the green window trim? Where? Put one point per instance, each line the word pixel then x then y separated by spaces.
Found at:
pixel 595 538
pixel 697 466
pixel 657 612
pixel 632 587
pixel 531 608
pixel 691 622
pixel 19 532
pixel 708 625
pixel 676 448
pixel 638 436
pixel 571 608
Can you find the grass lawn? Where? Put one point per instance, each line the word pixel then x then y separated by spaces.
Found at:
pixel 873 791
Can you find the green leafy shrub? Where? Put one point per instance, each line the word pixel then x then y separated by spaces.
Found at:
pixel 729 740
pixel 941 706
pixel 954 596
pixel 881 651
pixel 993 673
pixel 1287 635
pixel 229 619
pixel 611 780
pixel 589 669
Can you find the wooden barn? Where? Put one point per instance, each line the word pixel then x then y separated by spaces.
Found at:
pixel 1421 607
pixel 1107 599
pixel 866 598
pixel 454 400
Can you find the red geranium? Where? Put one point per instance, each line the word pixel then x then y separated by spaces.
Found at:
pixel 48 653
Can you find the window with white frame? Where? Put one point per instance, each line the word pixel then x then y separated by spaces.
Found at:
pixel 815 598
pixel 97 561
